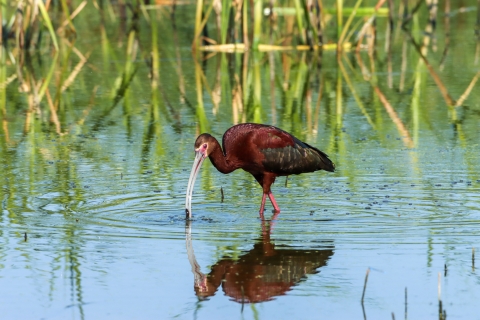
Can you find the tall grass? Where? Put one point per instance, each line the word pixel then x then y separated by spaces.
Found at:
pixel 303 25
pixel 309 18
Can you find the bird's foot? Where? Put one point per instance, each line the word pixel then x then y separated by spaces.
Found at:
pixel 262 217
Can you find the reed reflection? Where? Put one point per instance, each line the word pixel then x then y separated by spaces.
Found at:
pixel 260 274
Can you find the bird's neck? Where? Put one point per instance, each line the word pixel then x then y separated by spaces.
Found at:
pixel 219 161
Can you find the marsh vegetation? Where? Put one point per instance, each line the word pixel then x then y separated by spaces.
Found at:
pixel 101 101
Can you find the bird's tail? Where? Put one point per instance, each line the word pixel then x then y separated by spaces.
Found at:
pixel 328 164
pixel 325 162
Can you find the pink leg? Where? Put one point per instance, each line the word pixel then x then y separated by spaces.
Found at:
pixel 262 206
pixel 276 208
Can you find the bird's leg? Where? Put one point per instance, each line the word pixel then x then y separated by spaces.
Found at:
pixel 266 180
pixel 276 208
pixel 262 206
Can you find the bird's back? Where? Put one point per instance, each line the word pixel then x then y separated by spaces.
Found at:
pixel 275 150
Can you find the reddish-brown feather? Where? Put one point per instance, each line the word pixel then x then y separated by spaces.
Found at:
pixel 245 141
pixel 264 151
pixel 259 148
pixel 262 136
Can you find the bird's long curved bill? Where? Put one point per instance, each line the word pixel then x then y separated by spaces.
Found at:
pixel 197 163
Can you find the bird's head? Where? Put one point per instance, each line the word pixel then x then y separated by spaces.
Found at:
pixel 203 144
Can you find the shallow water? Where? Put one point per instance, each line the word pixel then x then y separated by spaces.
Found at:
pixel 93 223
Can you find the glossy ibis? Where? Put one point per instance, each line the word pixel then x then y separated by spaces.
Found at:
pixel 264 151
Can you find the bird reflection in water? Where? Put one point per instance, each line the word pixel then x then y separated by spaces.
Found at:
pixel 260 274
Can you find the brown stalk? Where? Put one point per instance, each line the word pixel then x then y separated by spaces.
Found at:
pixel 240 47
pixel 75 71
pixel 5 129
pixel 379 4
pixel 208 40
pixel 9 80
pixel 209 56
pixel 28 115
pixel 286 64
pixel 217 90
pixel 443 90
pixel 366 26
pixel 361 34
pixel 363 294
pixel 237 4
pixel 365 72
pixel 237 101
pixel 53 112
pixel 217 7
pixel 372 39
pixel 465 95
pixel 234 47
pixel 407 140
pixel 72 16
pixel 308 108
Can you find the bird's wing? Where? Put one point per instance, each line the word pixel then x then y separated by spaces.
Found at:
pixel 285 154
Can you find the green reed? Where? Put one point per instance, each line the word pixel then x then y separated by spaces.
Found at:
pixel 299 24
pixel 265 25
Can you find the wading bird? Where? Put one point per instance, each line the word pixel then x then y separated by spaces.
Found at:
pixel 264 151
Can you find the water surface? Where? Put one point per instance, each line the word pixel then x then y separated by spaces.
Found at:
pixel 92 223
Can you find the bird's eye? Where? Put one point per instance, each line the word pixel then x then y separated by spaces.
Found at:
pixel 205 145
